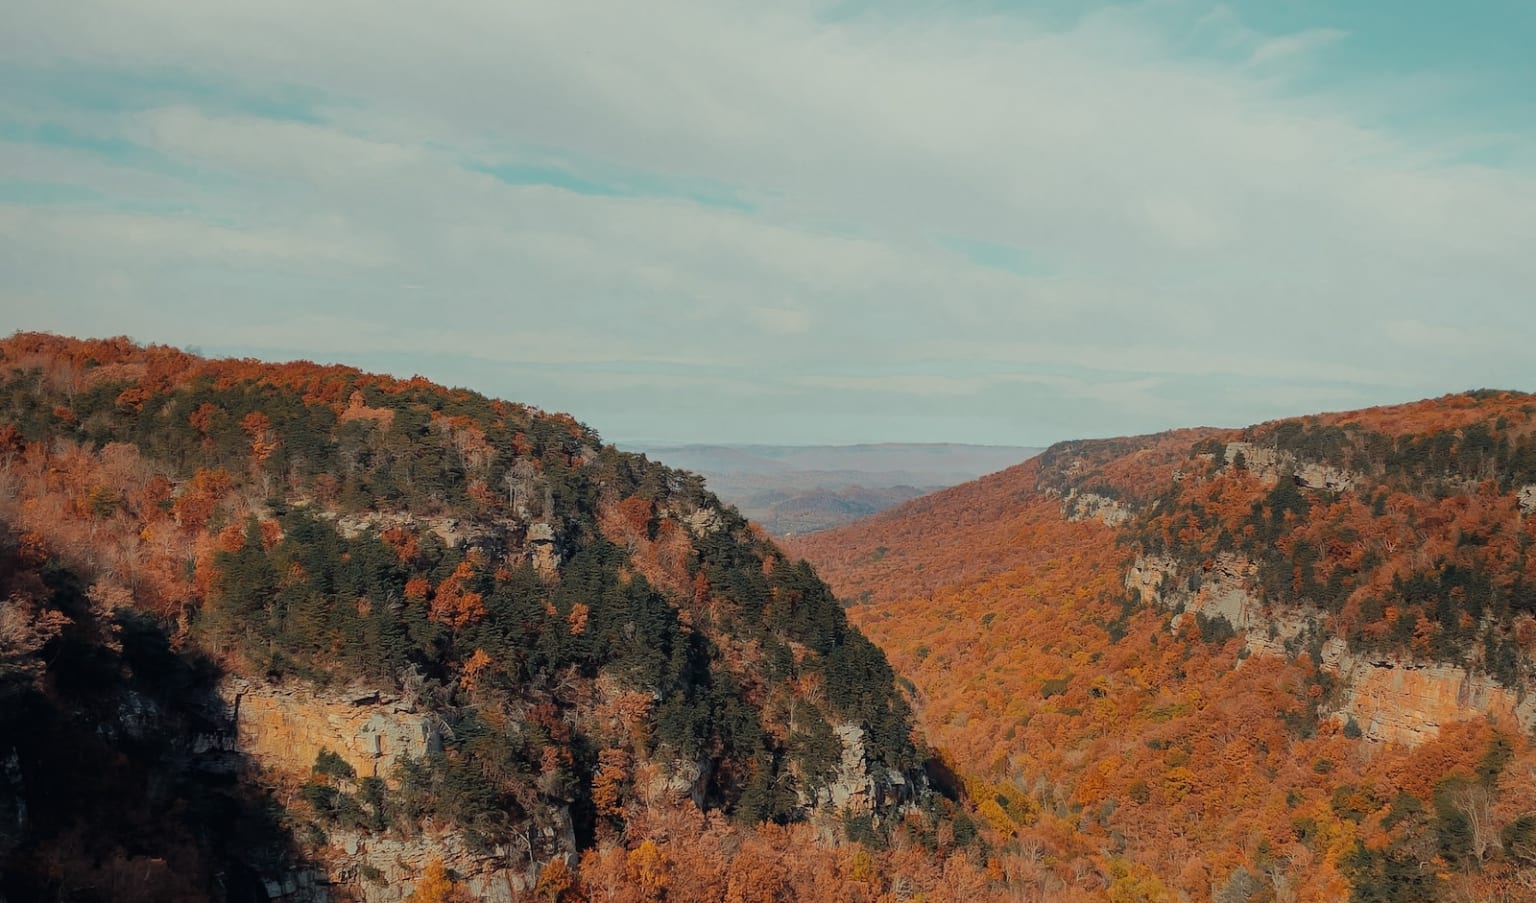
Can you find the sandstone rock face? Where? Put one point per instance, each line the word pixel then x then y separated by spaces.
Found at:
pixel 1223 593
pixel 1526 498
pixel 1223 590
pixel 1147 576
pixel 1264 463
pixel 1084 505
pixel 1403 702
pixel 454 532
pixel 704 522
pixel 1272 465
pixel 544 549
pixel 303 886
pixel 860 786
pixel 1324 476
pixel 523 486
pixel 385 868
pixel 681 780
pixel 284 728
pixel 1391 700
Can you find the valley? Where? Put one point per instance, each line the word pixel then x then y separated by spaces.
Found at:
pixel 795 489
pixel 302 633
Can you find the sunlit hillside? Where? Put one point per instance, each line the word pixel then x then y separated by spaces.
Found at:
pixel 1288 662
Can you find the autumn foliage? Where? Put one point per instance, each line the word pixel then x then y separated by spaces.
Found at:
pixel 601 638
pixel 1105 750
pixel 581 623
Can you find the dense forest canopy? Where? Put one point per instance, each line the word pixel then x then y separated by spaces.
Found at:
pixel 1040 615
pixel 576 618
pixel 637 696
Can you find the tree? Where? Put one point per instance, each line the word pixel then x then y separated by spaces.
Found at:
pixel 436 886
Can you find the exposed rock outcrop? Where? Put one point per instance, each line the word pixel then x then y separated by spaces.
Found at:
pixel 1526 499
pixel 1390 699
pixel 543 549
pixel 1222 592
pixel 284 728
pixel 676 781
pixel 1147 576
pixel 1326 477
pixel 1261 461
pixel 1272 465
pixel 1404 702
pixel 704 521
pixel 860 787
pixel 527 490
pixel 1085 505
pixel 383 868
pixel 1222 589
pixel 454 532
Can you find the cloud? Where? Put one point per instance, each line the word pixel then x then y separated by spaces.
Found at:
pixel 1418 337
pixel 87 235
pixel 1287 47
pixel 1130 212
pixel 782 321
pixel 272 148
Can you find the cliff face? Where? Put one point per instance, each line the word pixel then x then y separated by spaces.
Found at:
pixel 1390 698
pixel 279 731
pixel 377 868
pixel 859 786
pixel 1272 465
pixel 1408 702
pixel 284 728
pixel 118 764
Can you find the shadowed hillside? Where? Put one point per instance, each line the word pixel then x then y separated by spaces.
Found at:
pixel 428 641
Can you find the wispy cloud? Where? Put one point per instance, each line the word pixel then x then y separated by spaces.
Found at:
pixel 1288 47
pixel 1103 223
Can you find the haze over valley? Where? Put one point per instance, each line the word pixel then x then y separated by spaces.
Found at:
pixel 791 489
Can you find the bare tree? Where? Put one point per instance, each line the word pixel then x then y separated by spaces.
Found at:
pixel 1473 802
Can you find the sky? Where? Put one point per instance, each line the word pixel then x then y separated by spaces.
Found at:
pixel 793 222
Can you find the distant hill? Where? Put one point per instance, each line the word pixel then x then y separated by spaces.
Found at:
pixel 1289 662
pixel 795 489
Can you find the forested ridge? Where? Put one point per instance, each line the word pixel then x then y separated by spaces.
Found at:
pixel 1136 664
pixel 583 624
pixel 1148 653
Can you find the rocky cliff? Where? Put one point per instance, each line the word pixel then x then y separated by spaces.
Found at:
pixel 1403 701
pixel 285 727
pixel 1390 698
pixel 280 731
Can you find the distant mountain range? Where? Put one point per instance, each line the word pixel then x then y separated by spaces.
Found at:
pixel 797 489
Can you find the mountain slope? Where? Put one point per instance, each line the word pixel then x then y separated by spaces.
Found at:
pixel 449 633
pixel 1288 662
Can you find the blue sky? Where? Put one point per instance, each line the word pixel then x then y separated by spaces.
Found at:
pixel 802 222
